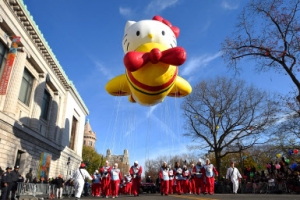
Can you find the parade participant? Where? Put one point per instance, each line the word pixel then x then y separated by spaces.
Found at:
pixel 197 170
pixel 128 181
pixel 185 180
pixel 78 178
pixel 14 184
pixel 122 186
pixel 178 178
pixel 192 187
pixel 171 180
pixel 6 182
pixel 116 176
pixel 96 186
pixel 209 171
pixel 164 179
pixel 136 172
pixel 105 180
pixel 234 176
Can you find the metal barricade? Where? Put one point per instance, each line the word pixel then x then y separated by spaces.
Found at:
pixel 32 191
pixel 68 191
pixel 40 191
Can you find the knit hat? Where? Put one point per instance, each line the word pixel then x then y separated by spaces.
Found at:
pixel 82 165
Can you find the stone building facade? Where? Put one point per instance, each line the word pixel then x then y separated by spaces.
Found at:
pixel 89 135
pixel 122 160
pixel 42 115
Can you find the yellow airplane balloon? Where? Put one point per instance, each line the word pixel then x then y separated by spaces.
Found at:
pixel 151 60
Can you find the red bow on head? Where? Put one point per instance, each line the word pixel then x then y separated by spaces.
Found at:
pixel 135 60
pixel 175 29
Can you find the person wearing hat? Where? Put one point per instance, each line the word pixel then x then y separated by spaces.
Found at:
pixel 78 178
pixel 178 178
pixel 136 172
pixel 96 186
pixel 192 185
pixel 116 177
pixel 6 183
pixel 164 179
pixel 185 180
pixel 198 177
pixel 209 172
pixel 171 180
pixel 128 182
pixel 14 184
pixel 105 181
pixel 234 176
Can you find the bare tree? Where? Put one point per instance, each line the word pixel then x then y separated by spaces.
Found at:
pixel 221 112
pixel 289 126
pixel 268 31
pixel 152 166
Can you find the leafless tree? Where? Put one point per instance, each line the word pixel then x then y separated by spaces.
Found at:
pixel 268 31
pixel 221 112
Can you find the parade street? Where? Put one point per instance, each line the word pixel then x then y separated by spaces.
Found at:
pixel 206 197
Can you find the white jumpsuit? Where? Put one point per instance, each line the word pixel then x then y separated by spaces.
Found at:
pixel 79 181
pixel 233 174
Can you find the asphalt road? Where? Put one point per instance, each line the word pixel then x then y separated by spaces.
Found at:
pixel 203 197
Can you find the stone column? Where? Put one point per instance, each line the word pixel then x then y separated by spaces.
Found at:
pixel 53 109
pixel 38 99
pixel 13 90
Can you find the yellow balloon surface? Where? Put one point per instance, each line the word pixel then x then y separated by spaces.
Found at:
pixel 150 84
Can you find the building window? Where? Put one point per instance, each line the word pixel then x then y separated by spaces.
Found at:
pixel 3 54
pixel 73 133
pixel 18 159
pixel 26 87
pixel 90 143
pixel 45 105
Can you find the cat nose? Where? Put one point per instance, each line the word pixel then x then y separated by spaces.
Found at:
pixel 150 35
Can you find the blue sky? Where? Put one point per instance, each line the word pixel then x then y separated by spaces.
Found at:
pixel 86 38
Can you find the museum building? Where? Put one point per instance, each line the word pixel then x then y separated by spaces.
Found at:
pixel 42 116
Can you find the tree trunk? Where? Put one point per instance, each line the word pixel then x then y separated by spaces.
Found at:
pixel 218 163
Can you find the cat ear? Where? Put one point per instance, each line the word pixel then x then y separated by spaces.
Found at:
pixel 129 23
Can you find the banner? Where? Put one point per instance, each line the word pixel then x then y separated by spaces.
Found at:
pixel 8 65
pixel 44 166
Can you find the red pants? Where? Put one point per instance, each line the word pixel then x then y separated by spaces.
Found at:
pixel 179 186
pixel 136 186
pixel 171 186
pixel 209 184
pixel 164 187
pixel 199 186
pixel 128 188
pixel 192 187
pixel 96 189
pixel 105 182
pixel 185 186
pixel 115 187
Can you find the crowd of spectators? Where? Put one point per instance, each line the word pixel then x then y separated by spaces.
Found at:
pixel 280 174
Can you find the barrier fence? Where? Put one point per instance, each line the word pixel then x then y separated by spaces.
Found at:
pixel 36 190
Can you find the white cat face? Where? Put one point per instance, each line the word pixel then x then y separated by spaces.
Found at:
pixel 147 31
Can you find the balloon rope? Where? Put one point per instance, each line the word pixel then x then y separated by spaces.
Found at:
pixel 147 135
pixel 115 125
pixel 109 126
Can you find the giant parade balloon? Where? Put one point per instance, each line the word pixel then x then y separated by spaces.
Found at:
pixel 151 63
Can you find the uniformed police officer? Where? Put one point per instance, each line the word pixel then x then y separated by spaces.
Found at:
pixel 6 184
pixel 14 185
